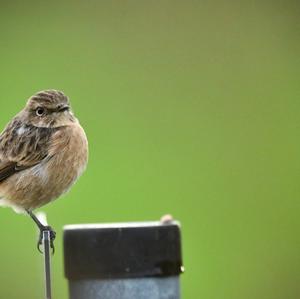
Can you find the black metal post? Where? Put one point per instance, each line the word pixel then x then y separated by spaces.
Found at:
pixel 123 261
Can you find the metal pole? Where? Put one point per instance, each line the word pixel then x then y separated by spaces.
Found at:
pixel 123 260
pixel 47 256
pixel 47 263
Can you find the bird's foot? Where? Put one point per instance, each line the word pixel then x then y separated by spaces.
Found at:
pixel 52 235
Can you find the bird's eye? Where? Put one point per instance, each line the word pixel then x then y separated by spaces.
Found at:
pixel 40 111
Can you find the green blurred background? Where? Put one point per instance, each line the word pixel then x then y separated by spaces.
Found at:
pixel 191 108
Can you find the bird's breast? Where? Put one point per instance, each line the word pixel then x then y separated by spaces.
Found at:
pixel 68 158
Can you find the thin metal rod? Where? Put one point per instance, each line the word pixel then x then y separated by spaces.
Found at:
pixel 47 263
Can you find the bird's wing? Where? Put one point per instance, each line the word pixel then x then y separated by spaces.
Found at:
pixel 23 146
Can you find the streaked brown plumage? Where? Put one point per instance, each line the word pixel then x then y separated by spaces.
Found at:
pixel 43 150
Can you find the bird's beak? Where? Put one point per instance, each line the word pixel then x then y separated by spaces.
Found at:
pixel 63 108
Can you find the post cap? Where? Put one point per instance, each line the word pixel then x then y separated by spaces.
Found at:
pixel 122 250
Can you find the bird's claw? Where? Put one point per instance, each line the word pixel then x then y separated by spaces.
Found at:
pixel 52 238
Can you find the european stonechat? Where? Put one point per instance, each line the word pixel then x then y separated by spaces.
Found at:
pixel 43 151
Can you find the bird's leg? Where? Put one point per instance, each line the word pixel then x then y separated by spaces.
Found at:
pixel 43 228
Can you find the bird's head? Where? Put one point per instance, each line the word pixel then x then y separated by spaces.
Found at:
pixel 48 109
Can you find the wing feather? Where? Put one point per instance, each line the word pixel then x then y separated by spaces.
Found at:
pixel 7 169
pixel 23 146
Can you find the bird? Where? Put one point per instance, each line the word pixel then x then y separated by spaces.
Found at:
pixel 43 151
